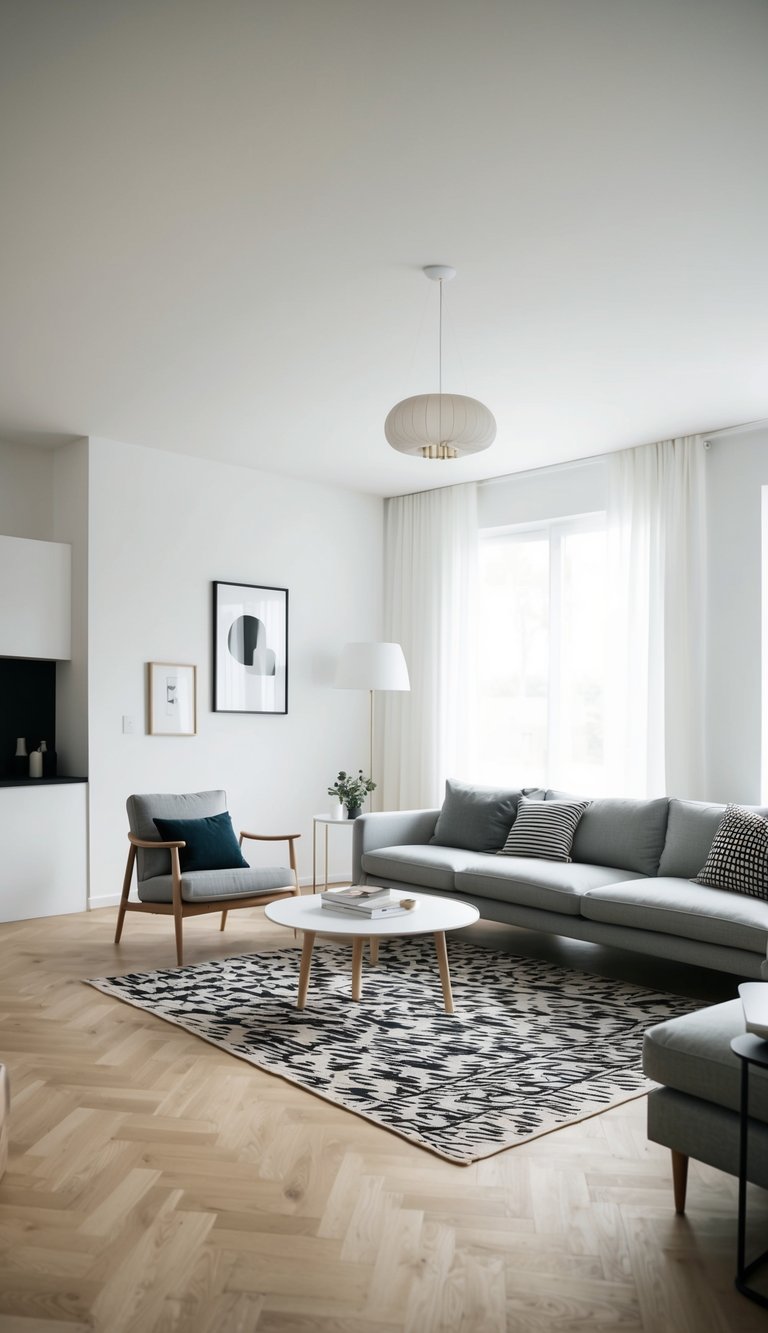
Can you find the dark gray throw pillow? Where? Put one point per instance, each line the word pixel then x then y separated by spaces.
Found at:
pixel 211 842
pixel 738 857
pixel 477 819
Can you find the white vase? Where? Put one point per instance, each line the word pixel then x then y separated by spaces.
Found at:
pixel 337 811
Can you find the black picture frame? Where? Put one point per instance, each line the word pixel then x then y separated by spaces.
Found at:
pixel 250 648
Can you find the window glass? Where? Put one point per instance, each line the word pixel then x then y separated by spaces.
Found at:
pixel 541 662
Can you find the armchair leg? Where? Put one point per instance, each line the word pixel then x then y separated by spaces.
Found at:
pixel 679 1179
pixel 177 922
pixel 178 909
pixel 124 896
pixel 223 920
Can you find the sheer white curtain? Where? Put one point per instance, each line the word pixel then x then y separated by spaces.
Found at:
pixel 655 719
pixel 430 564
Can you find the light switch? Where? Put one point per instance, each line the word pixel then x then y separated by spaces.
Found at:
pixel 127 724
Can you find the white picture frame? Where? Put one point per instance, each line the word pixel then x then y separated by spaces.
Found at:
pixel 171 699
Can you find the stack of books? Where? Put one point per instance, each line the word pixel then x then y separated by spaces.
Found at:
pixel 364 900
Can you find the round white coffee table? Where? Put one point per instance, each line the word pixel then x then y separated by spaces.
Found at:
pixel 430 916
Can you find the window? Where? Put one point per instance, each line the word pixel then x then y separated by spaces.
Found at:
pixel 542 644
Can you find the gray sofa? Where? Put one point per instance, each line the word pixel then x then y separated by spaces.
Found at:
pixel 628 884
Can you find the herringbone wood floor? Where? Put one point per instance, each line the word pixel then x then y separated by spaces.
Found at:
pixel 156 1184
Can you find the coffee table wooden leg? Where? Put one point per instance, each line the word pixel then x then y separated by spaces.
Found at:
pixel 357 966
pixel 373 947
pixel 445 976
pixel 306 963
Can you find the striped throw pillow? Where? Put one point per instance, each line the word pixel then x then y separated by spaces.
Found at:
pixel 544 829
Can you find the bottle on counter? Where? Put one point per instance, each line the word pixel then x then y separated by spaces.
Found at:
pixel 36 764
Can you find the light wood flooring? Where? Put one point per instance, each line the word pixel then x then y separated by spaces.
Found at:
pixel 156 1184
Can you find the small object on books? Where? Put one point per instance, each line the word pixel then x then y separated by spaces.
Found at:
pixel 408 903
pixel 754 998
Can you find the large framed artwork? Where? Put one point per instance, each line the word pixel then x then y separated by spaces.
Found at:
pixel 250 648
pixel 172 699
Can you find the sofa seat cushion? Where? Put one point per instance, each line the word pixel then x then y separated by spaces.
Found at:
pixel 208 885
pixel 556 886
pixel 433 867
pixel 692 1054
pixel 678 907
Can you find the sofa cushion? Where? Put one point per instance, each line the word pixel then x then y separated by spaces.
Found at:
pixel 475 818
pixel 544 830
pixel 678 907
pixel 625 833
pixel 208 885
pixel 738 857
pixel 692 1054
pixel 189 805
pixel 432 867
pixel 552 885
pixel 210 843
pixel 691 829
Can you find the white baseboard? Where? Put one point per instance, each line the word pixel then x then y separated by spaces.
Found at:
pixel 106 900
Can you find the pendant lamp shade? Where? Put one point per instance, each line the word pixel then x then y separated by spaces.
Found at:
pixel 440 425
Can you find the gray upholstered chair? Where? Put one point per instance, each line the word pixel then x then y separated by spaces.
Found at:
pixel 162 885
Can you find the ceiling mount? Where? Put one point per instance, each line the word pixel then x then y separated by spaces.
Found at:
pixel 440 425
pixel 439 272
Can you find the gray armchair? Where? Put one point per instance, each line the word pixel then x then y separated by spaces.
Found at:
pixel 162 885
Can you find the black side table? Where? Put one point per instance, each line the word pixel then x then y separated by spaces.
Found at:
pixel 751 1050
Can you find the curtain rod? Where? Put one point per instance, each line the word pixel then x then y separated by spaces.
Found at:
pixel 733 430
pixel 706 435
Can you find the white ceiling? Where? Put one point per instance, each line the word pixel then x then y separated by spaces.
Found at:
pixel 215 212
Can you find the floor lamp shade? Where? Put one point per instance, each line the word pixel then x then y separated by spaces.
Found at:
pixel 372 666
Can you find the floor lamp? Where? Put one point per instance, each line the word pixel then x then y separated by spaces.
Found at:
pixel 372 666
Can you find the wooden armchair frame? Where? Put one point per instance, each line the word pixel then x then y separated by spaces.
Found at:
pixel 178 908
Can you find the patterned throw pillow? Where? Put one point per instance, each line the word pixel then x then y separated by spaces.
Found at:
pixel 544 829
pixel 738 857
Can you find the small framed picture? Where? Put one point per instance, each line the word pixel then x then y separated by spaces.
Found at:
pixel 250 648
pixel 172 699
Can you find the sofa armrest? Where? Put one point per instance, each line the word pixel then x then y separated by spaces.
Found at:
pixel 390 828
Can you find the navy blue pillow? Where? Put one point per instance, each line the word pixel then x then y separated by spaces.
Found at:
pixel 211 842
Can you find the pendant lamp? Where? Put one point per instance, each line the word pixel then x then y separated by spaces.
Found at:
pixel 440 425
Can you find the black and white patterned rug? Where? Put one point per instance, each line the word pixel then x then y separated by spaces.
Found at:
pixel 531 1046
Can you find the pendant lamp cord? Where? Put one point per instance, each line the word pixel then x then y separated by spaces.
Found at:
pixel 440 342
pixel 440 366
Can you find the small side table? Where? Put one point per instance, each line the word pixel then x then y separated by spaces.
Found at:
pixel 751 1050
pixel 329 822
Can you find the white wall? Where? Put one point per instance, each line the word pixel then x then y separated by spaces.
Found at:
pixel 26 491
pixel 162 528
pixel 737 469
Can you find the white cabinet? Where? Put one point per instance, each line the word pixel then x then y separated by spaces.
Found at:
pixel 35 598
pixel 43 868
